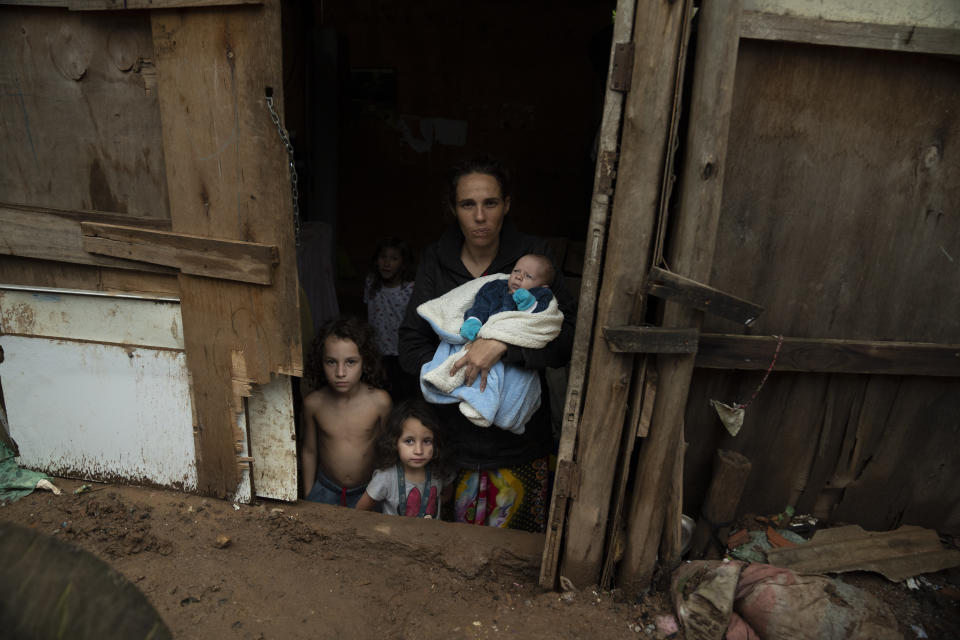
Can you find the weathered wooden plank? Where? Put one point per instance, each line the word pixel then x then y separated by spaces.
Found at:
pixel 616 533
pixel 653 504
pixel 904 464
pixel 799 209
pixel 651 340
pixel 105 155
pixel 50 234
pixel 591 260
pixel 719 351
pixel 197 255
pixel 65 275
pixel 227 176
pixel 670 286
pixel 897 555
pixel 658 30
pixel 117 5
pixel 770 26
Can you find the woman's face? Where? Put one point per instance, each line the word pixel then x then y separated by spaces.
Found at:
pixel 480 209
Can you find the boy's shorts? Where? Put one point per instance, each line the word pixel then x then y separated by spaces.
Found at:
pixel 326 491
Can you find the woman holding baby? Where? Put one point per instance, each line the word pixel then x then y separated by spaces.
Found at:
pixel 503 477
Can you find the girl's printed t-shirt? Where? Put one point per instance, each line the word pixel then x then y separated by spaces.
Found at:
pixel 384 489
pixel 385 310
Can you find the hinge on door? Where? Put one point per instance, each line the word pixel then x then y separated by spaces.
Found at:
pixel 566 482
pixel 622 69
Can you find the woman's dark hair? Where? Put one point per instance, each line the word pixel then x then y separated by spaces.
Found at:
pixel 487 165
pixel 386 445
pixel 345 328
pixel 406 256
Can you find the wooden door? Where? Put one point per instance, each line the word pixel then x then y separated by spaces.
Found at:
pixel 139 157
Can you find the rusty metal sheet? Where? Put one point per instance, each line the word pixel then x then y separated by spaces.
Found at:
pixel 100 412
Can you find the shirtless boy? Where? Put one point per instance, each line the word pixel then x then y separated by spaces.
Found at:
pixel 341 418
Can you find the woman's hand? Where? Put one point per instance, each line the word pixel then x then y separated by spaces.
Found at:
pixel 478 358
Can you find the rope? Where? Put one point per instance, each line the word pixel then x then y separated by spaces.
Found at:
pixel 765 375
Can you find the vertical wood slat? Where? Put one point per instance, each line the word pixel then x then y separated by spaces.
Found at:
pixel 227 178
pixel 657 31
pixel 655 506
pixel 596 237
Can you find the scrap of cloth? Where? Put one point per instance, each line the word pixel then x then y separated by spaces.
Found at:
pixel 512 393
pixel 16 482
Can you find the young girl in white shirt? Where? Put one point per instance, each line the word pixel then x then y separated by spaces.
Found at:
pixel 410 478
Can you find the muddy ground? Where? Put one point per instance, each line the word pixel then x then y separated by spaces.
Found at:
pixel 274 570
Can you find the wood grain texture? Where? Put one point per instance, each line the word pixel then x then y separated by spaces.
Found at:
pixel 654 504
pixel 591 256
pixel 828 356
pixel 197 255
pixel 48 234
pixel 671 286
pixel 647 115
pixel 650 340
pixel 227 176
pixel 118 5
pixel 80 130
pixel 910 38
pixel 837 215
pixel 44 273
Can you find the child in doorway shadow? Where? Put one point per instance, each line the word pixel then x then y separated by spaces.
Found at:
pixel 343 416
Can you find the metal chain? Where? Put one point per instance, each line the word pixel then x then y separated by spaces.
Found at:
pixel 285 139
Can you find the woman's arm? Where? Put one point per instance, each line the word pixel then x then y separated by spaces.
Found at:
pixel 478 359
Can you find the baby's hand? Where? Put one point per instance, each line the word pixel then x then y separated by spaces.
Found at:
pixel 469 328
pixel 524 299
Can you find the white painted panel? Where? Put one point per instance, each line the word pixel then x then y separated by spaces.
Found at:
pixel 273 439
pixel 92 316
pixel 100 411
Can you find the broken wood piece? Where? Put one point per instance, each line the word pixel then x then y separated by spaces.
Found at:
pixel 730 471
pixel 896 555
pixel 670 286
pixel 197 255
pixel 755 353
pixel 651 340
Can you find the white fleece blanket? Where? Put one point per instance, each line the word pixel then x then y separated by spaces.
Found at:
pixel 512 394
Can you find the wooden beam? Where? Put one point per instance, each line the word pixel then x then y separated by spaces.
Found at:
pixel 755 353
pixel 759 25
pixel 117 5
pixel 54 234
pixel 670 286
pixel 654 504
pixel 592 254
pixel 651 340
pixel 657 38
pixel 227 259
pixel 227 178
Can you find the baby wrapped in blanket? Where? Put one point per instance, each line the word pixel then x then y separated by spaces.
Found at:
pixel 517 309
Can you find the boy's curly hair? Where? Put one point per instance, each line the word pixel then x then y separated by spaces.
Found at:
pixel 385 452
pixel 358 332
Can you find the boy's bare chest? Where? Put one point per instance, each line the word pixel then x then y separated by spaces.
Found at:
pixel 357 422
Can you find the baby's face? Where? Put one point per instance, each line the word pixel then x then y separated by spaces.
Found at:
pixel 527 274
